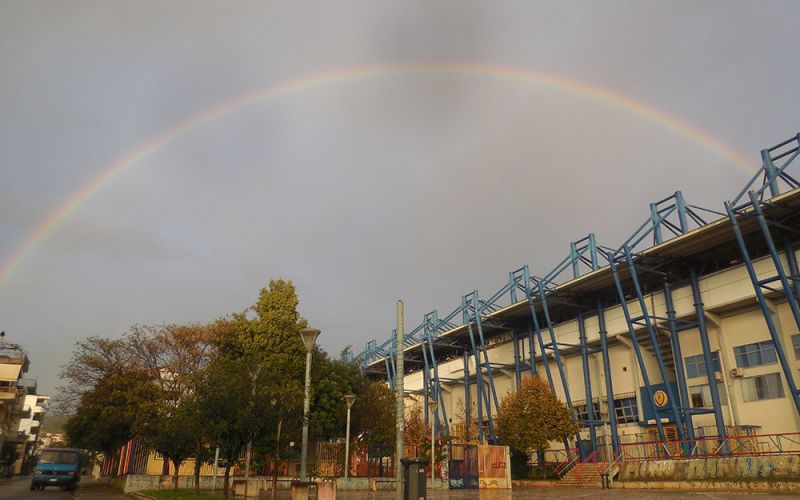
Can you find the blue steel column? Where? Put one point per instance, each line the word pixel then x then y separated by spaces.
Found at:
pixel 482 397
pixel 699 311
pixel 425 383
pixel 538 330
pixel 612 410
pixel 771 170
pixel 587 383
pixel 762 301
pixel 776 260
pixel 677 355
pixel 656 349
pixel 554 344
pixel 532 350
pixel 545 361
pixel 467 397
pixel 476 309
pixel 791 260
pixel 635 342
pixel 389 368
pixel 437 383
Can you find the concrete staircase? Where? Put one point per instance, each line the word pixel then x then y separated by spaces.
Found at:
pixel 584 475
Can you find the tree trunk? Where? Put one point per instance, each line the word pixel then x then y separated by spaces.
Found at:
pixel 227 478
pixel 197 465
pixel 177 464
pixel 540 459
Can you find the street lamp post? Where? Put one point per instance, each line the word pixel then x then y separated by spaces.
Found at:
pixel 433 405
pixel 349 399
pixel 309 337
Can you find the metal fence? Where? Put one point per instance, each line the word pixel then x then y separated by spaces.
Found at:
pixel 730 446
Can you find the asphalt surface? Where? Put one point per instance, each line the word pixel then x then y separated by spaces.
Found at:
pixel 19 488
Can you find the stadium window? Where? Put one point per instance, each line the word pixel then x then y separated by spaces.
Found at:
pixel 582 413
pixel 627 410
pixel 762 387
pixel 759 353
pixel 796 345
pixel 700 396
pixel 696 365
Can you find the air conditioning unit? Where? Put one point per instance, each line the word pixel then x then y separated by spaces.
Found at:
pixel 737 372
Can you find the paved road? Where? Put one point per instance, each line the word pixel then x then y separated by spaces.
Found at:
pixel 19 488
pixel 588 494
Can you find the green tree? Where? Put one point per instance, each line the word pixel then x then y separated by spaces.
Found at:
pixel 116 409
pixel 237 403
pixel 169 434
pixel 373 418
pixel 532 416
pixel 272 335
pixel 331 380
pixel 268 334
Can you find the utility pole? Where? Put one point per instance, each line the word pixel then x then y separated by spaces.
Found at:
pixel 253 376
pixel 349 399
pixel 216 468
pixel 400 406
pixel 309 337
pixel 277 459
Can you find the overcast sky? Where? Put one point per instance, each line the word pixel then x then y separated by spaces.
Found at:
pixel 416 184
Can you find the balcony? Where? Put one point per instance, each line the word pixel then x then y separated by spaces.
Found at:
pixel 8 393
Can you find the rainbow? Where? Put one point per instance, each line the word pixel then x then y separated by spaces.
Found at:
pixel 40 233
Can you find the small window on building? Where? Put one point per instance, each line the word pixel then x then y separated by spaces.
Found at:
pixel 700 396
pixel 759 353
pixel 796 345
pixel 582 413
pixel 696 365
pixel 762 387
pixel 627 410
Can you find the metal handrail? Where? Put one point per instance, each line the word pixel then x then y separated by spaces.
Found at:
pixel 729 446
pixel 617 458
pixel 566 464
pixel 592 458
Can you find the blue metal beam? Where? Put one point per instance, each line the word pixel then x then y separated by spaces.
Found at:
pixel 700 313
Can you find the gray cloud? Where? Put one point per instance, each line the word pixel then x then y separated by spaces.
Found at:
pixel 419 185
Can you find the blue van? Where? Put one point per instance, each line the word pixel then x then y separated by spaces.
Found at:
pixel 57 467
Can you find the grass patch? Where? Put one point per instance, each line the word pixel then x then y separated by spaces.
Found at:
pixel 182 495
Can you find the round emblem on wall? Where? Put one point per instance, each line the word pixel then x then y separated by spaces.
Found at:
pixel 660 398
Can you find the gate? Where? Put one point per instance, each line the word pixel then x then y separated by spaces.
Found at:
pixel 493 466
pixel 463 467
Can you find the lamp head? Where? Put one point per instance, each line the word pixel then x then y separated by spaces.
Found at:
pixel 349 399
pixel 309 337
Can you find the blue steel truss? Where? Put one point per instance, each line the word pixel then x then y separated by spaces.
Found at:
pixel 629 264
pixel 766 184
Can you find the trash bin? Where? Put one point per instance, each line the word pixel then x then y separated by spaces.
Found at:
pixel 414 478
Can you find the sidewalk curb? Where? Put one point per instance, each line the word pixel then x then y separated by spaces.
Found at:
pixel 142 496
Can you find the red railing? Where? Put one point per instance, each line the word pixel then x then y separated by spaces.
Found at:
pixel 730 446
pixel 571 458
pixel 592 458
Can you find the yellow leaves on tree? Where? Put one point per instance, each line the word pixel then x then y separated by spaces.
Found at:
pixel 415 431
pixel 532 416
